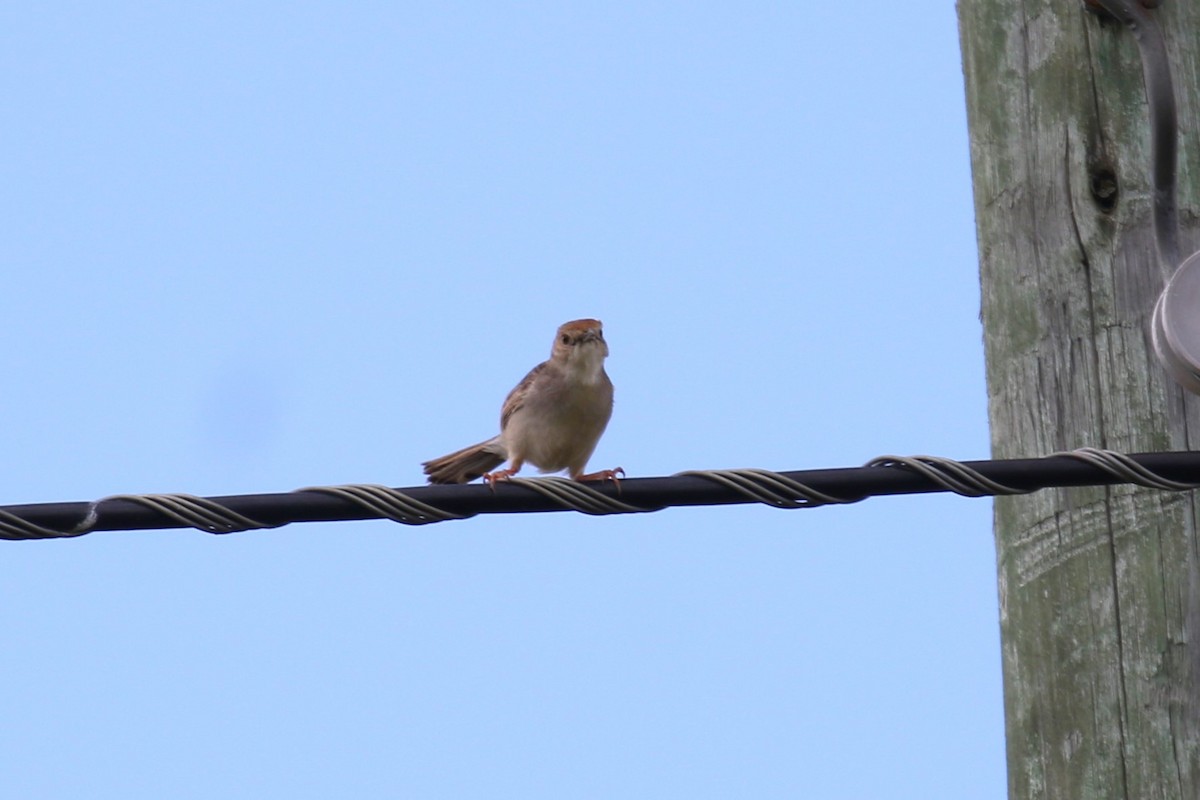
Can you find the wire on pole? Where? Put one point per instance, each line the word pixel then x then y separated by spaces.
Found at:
pixel 421 505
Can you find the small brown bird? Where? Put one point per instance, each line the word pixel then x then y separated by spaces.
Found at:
pixel 552 419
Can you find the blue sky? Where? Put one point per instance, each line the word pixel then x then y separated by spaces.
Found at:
pixel 253 247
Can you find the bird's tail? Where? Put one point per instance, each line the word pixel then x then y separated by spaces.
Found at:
pixel 464 466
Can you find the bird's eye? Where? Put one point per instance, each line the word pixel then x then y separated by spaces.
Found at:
pixel 565 339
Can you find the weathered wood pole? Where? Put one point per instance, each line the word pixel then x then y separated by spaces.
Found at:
pixel 1099 588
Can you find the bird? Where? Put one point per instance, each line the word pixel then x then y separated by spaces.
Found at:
pixel 552 419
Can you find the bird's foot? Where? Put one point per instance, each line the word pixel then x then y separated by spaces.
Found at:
pixel 613 475
pixel 490 478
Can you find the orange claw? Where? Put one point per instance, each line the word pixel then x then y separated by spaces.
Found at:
pixel 499 475
pixel 605 475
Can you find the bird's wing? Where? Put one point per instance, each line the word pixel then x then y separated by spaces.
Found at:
pixel 516 398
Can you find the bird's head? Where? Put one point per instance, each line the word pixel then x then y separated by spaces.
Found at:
pixel 580 344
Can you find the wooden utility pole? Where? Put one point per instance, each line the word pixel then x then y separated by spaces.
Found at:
pixel 1099 588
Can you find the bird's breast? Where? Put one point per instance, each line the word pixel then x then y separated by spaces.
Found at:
pixel 560 422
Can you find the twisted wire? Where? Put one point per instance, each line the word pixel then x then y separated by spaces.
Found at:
pixel 1125 469
pixel 737 485
pixel 17 528
pixel 575 496
pixel 770 488
pixel 188 510
pixel 191 511
pixel 388 503
pixel 953 475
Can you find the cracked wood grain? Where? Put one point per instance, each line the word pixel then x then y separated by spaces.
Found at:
pixel 1099 588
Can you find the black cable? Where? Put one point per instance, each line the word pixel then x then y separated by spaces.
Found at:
pixel 423 504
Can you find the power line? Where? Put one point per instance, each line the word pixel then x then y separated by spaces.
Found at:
pixel 887 475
